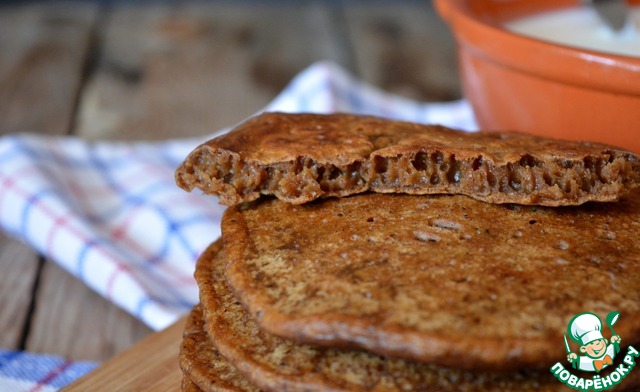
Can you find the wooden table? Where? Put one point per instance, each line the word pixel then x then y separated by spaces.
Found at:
pixel 173 69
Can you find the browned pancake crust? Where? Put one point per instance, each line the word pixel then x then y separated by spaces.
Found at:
pixel 302 157
pixel 278 364
pixel 203 364
pixel 187 385
pixel 441 279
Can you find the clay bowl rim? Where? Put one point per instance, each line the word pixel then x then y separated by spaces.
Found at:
pixel 562 63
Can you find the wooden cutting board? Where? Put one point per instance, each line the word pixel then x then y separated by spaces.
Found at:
pixel 150 365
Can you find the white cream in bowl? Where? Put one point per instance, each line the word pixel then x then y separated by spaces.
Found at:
pixel 581 27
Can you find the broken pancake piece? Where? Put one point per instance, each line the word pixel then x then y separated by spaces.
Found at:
pixel 277 364
pixel 444 279
pixel 302 157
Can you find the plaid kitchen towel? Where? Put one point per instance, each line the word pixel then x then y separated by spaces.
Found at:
pixel 21 371
pixel 111 214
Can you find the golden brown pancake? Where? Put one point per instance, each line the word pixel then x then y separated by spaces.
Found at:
pixel 302 157
pixel 187 385
pixel 278 364
pixel 441 279
pixel 203 365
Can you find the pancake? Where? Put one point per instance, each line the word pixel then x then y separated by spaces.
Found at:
pixel 278 364
pixel 302 157
pixel 443 279
pixel 203 366
pixel 187 385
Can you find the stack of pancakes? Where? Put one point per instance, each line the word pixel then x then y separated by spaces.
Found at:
pixel 397 256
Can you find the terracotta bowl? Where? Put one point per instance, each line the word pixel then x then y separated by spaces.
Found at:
pixel 529 85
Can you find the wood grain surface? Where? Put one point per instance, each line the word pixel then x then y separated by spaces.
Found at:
pixel 158 70
pixel 43 51
pixel 19 266
pixel 150 365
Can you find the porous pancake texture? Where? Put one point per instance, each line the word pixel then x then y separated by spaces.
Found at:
pixel 302 157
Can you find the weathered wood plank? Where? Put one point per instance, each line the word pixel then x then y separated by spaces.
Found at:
pixel 404 48
pixel 150 365
pixel 185 69
pixel 43 52
pixel 43 49
pixel 77 323
pixel 19 266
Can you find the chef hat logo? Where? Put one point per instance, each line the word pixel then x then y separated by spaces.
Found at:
pixel 584 328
